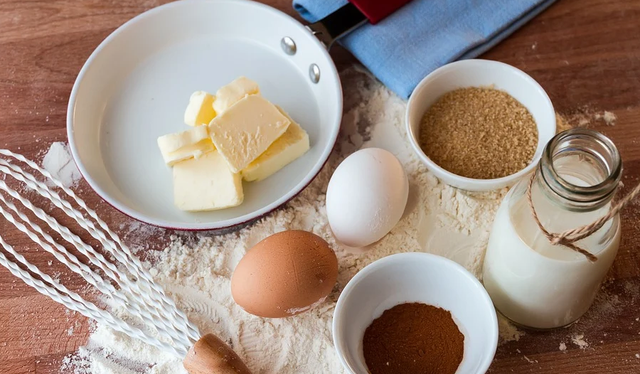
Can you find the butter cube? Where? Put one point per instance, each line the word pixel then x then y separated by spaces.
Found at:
pixel 291 145
pixel 180 146
pixel 200 109
pixel 246 130
pixel 206 184
pixel 234 92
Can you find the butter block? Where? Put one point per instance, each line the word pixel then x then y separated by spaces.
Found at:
pixel 291 145
pixel 200 109
pixel 192 143
pixel 234 92
pixel 206 184
pixel 246 130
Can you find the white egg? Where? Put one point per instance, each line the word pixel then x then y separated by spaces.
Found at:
pixel 366 197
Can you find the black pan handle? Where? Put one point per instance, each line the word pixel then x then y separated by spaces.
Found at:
pixel 337 24
pixel 352 16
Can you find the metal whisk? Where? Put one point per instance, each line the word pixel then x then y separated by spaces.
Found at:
pixel 123 279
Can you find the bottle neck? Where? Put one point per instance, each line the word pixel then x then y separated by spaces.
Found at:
pixel 580 170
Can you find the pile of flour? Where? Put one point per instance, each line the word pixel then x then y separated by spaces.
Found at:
pixel 195 269
pixel 60 164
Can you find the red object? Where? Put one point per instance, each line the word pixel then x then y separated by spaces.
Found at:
pixel 377 10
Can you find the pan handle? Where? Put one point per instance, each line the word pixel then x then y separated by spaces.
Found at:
pixel 351 16
pixel 337 24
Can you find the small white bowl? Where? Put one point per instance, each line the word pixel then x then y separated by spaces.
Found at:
pixel 479 73
pixel 416 277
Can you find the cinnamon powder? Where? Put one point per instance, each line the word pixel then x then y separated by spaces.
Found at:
pixel 413 338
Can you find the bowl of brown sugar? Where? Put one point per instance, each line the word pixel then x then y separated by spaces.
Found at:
pixel 415 313
pixel 479 125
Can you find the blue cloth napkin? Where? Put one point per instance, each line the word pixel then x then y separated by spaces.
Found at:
pixel 426 34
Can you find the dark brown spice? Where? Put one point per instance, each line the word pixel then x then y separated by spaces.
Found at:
pixel 413 338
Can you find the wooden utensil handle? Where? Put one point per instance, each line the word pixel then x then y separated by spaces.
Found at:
pixel 210 355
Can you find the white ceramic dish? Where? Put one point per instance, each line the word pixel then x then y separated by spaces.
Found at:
pixel 416 277
pixel 137 83
pixel 478 73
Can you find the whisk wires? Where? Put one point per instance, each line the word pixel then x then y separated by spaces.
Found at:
pixel 134 287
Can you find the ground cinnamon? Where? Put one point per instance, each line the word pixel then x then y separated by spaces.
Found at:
pixel 413 338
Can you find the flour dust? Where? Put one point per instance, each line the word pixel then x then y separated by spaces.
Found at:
pixel 195 269
pixel 60 164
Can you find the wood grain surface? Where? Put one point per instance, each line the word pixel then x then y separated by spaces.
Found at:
pixel 585 53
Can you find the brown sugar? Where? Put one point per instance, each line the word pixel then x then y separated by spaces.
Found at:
pixel 413 338
pixel 481 133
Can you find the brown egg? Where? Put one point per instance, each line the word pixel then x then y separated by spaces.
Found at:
pixel 284 275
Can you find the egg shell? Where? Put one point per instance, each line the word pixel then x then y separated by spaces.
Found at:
pixel 285 274
pixel 366 197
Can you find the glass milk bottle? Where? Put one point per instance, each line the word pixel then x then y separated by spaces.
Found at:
pixel 537 284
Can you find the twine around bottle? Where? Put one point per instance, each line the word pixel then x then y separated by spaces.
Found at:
pixel 570 237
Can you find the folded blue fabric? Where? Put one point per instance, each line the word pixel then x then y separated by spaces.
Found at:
pixel 426 34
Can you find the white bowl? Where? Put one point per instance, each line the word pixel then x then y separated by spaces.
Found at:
pixel 416 277
pixel 136 85
pixel 478 73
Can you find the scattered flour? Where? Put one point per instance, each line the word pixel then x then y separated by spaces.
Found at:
pixel 578 339
pixel 562 347
pixel 586 117
pixel 608 117
pixel 195 269
pixel 508 332
pixel 60 164
pixel 71 329
pixel 137 235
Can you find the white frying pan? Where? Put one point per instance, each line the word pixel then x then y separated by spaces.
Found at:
pixel 136 84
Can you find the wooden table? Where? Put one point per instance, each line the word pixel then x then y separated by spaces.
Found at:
pixel 585 53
